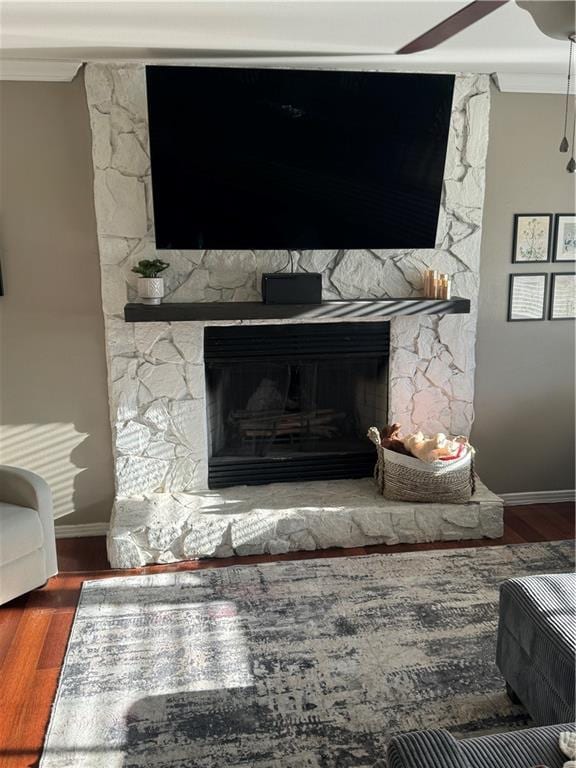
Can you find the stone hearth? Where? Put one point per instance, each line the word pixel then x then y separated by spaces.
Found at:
pixel 287 517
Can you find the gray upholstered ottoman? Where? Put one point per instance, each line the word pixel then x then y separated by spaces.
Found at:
pixel 537 644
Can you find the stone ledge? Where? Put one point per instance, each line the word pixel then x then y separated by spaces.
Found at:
pixel 286 517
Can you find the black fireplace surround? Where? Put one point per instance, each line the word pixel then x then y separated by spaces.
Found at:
pixel 294 402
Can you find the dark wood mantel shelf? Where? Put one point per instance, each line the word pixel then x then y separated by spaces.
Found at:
pixel 327 310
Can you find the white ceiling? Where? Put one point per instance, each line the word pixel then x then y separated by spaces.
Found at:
pixel 54 38
pixel 165 27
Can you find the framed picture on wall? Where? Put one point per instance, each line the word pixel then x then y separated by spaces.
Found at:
pixel 565 237
pixel 527 297
pixel 563 296
pixel 532 237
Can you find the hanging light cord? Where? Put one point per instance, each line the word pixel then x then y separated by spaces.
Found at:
pixel 564 142
pixel 571 167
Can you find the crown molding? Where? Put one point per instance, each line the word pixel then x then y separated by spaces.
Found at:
pixel 530 82
pixel 39 71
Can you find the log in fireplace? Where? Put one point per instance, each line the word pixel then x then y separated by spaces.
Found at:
pixel 294 402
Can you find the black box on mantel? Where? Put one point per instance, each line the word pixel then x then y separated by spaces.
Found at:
pixel 292 288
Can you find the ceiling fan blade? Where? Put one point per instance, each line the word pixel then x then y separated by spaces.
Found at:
pixel 446 29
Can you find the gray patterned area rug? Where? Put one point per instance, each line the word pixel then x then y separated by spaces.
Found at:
pixel 300 664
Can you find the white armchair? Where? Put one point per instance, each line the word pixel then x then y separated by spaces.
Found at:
pixel 27 542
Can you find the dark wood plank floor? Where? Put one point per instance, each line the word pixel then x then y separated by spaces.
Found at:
pixel 34 629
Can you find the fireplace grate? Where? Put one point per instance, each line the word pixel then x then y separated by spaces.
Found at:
pixel 224 472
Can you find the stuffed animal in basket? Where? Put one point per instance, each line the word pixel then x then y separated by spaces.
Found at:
pixel 438 446
pixel 390 439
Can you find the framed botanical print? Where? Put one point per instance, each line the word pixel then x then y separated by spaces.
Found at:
pixel 532 237
pixel 563 296
pixel 565 237
pixel 527 297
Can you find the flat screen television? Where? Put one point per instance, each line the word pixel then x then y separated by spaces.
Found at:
pixel 294 159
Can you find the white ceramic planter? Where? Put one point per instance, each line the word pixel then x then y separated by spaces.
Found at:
pixel 151 289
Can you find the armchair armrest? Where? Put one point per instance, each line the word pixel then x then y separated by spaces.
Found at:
pixel 426 749
pixel 24 488
pixel 27 489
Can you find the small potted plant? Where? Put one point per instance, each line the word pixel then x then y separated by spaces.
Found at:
pixel 150 286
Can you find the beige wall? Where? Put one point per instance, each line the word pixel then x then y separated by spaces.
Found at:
pixel 53 400
pixel 53 406
pixel 524 429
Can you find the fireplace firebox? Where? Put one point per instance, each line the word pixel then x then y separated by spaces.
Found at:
pixel 294 402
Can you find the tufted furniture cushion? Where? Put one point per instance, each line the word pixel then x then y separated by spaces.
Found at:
pixel 426 749
pixel 526 748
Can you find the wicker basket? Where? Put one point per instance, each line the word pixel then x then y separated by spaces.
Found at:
pixel 405 478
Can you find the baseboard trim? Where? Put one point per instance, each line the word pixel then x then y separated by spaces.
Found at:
pixel 81 530
pixel 537 497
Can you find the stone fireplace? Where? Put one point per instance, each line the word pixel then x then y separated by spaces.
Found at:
pixel 292 403
pixel 163 398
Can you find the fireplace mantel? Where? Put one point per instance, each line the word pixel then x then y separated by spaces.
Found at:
pixel 328 310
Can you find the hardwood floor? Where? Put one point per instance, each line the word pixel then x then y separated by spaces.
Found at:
pixel 34 628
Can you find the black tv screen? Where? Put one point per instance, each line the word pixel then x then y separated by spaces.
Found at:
pixel 293 159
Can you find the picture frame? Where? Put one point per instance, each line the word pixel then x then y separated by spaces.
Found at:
pixel 563 296
pixel 532 240
pixel 527 297
pixel 564 250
